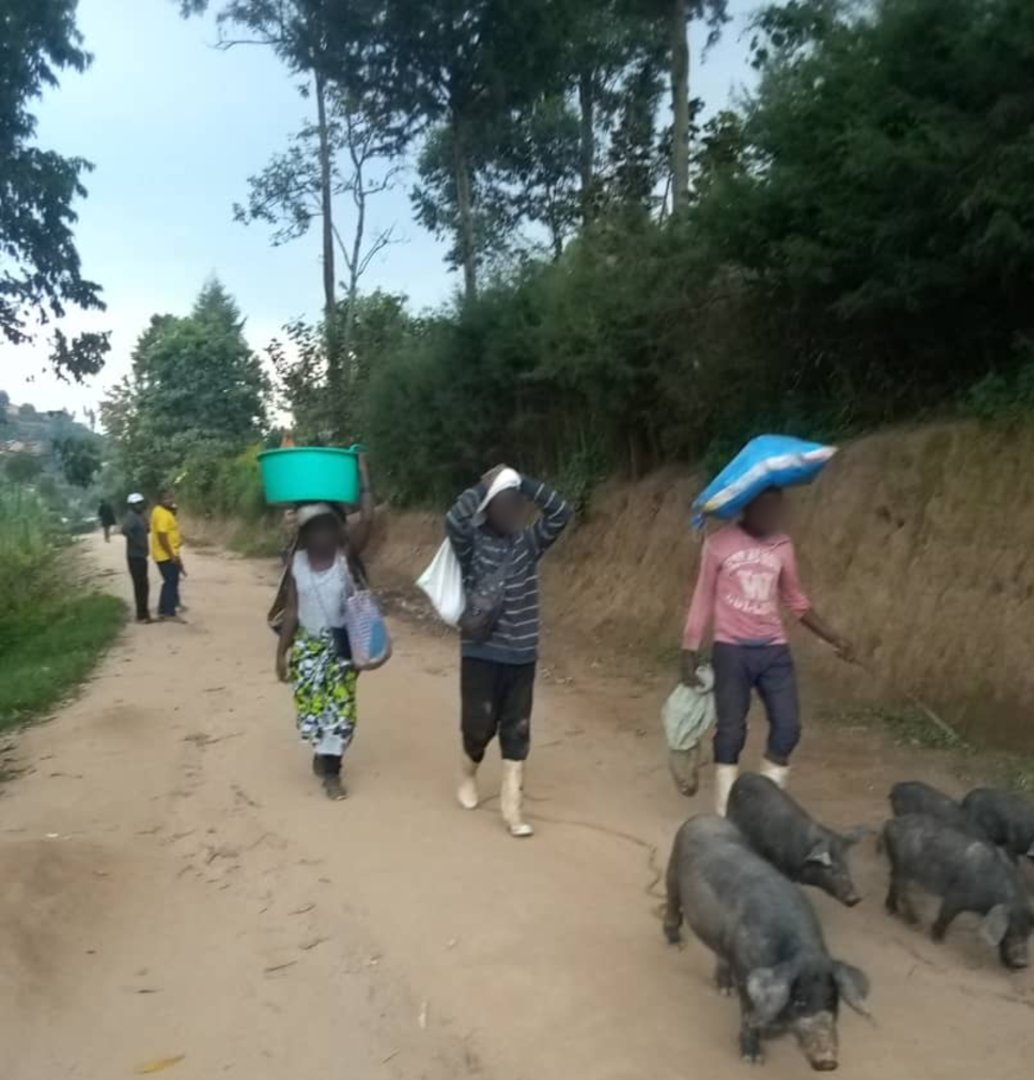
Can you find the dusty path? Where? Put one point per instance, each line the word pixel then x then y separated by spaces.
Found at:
pixel 171 883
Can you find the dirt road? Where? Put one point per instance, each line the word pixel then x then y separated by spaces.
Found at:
pixel 172 883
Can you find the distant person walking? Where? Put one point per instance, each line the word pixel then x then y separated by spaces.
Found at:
pixel 165 550
pixel 747 571
pixel 135 529
pixel 106 516
pixel 500 556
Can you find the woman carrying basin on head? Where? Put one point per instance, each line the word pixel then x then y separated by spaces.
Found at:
pixel 313 652
pixel 747 571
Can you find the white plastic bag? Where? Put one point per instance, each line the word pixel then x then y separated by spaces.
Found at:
pixel 442 582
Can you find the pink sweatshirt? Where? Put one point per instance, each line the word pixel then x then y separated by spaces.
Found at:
pixel 741 584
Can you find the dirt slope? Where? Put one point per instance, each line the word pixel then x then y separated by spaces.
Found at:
pixel 172 884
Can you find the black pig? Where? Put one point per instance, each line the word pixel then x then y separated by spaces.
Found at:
pixel 766 937
pixel 1006 818
pixel 917 797
pixel 967 873
pixel 782 832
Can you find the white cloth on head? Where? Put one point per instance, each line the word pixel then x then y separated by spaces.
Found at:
pixel 506 480
pixel 307 513
pixel 321 593
pixel 136 497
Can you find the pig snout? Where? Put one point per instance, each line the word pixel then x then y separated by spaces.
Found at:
pixel 842 889
pixel 817 1036
pixel 1015 954
pixel 849 897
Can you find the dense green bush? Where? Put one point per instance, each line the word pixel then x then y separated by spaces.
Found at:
pixel 860 249
pixel 30 539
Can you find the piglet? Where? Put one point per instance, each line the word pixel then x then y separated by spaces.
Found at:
pixel 1006 818
pixel 782 832
pixel 967 873
pixel 766 938
pixel 915 797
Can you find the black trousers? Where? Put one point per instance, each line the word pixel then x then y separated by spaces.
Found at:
pixel 141 587
pixel 496 700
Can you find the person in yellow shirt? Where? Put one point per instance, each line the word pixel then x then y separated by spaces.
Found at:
pixel 165 550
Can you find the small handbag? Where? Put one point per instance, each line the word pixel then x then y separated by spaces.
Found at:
pixel 484 605
pixel 366 633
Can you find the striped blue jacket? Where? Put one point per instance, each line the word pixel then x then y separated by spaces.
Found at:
pixel 480 550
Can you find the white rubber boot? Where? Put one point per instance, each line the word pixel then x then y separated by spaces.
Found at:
pixel 778 774
pixel 724 778
pixel 467 792
pixel 511 797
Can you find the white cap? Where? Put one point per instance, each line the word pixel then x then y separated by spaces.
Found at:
pixel 309 511
pixel 136 497
pixel 506 480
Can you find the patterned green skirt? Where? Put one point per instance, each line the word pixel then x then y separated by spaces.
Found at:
pixel 324 693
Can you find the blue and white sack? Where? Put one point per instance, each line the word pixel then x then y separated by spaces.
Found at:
pixel 765 462
pixel 368 636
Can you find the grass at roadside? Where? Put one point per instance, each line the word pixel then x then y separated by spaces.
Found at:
pixel 908 725
pixel 53 655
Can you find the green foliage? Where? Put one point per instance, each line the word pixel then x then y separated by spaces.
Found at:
pixel 80 459
pixel 196 392
pixel 41 271
pixel 52 630
pixel 56 649
pixel 859 247
pixel 856 244
pixel 1005 397
pixel 22 468
pixel 29 542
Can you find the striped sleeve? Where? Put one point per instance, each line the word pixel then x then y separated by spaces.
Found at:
pixel 556 513
pixel 459 522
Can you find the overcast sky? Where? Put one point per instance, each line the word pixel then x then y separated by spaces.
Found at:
pixel 174 128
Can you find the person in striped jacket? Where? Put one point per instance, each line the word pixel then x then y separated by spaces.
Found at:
pixel 488 531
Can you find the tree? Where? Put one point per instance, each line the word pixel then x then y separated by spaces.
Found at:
pixel 610 39
pixel 41 274
pixel 291 29
pixel 380 325
pixel 455 66
pixel 679 14
pixel 80 459
pixel 22 468
pixel 196 389
pixel 290 193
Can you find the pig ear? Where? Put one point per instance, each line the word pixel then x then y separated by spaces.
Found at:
pixel 995 924
pixel 820 854
pixel 853 986
pixel 853 836
pixel 769 991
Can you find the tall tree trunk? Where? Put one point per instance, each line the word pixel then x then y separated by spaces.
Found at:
pixel 465 209
pixel 587 143
pixel 679 103
pixel 354 270
pixel 326 198
pixel 335 381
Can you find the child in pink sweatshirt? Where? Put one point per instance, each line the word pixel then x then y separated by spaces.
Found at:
pixel 747 572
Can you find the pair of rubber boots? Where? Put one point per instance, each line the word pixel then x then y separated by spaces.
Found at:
pixel 725 777
pixel 511 794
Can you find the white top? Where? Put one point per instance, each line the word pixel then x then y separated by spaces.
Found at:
pixel 321 593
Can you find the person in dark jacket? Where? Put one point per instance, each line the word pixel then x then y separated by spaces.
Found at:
pixel 106 516
pixel 488 534
pixel 135 529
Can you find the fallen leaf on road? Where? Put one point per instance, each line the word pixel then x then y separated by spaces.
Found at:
pixel 159 1065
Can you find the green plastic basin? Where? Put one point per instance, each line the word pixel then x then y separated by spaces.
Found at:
pixel 310 474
